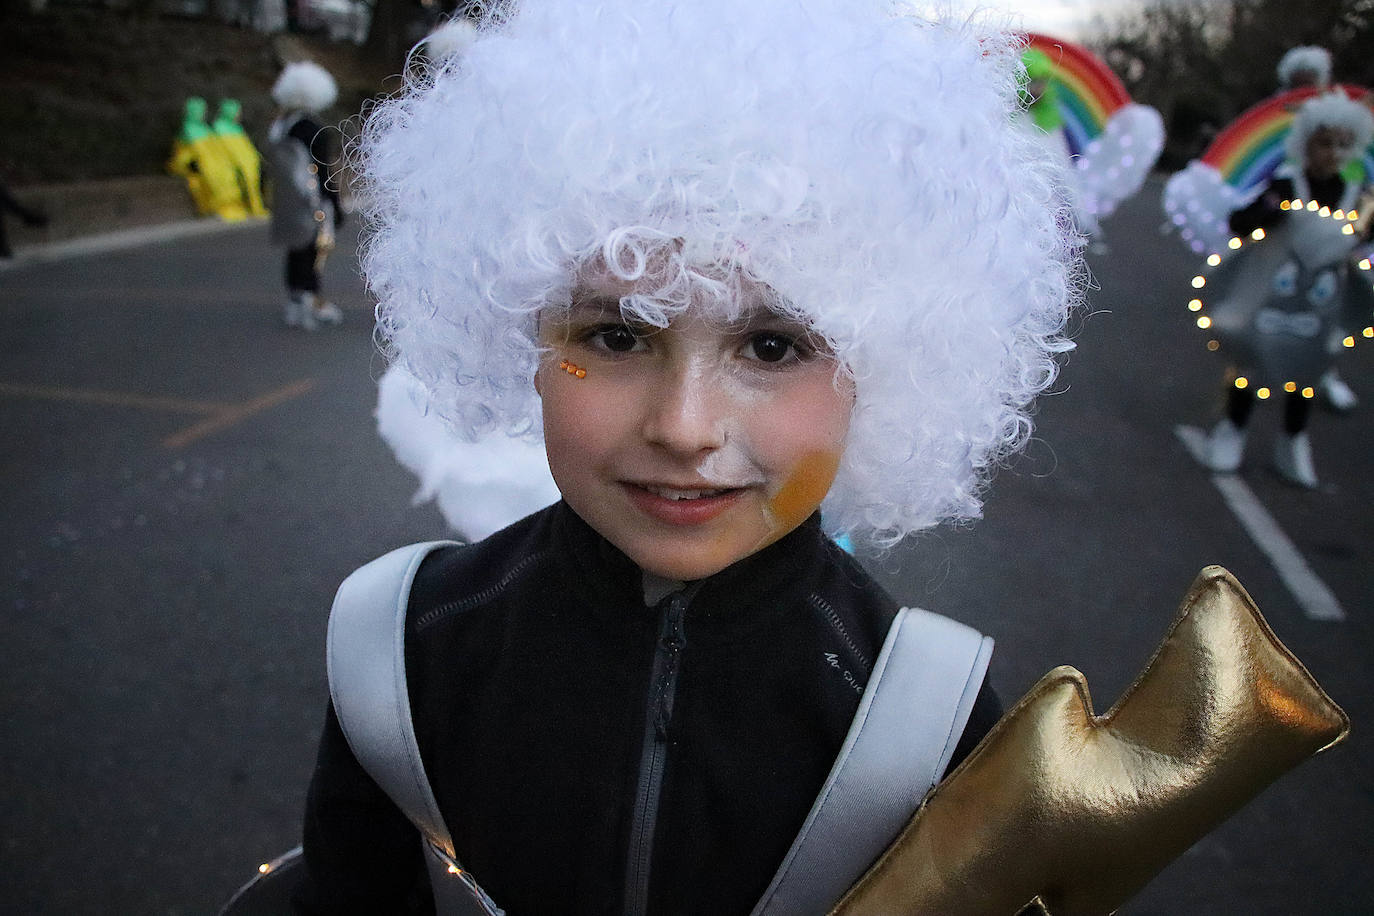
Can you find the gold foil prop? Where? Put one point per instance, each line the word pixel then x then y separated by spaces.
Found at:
pixel 1063 812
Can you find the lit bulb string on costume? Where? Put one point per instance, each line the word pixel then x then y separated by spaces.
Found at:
pixel 1362 273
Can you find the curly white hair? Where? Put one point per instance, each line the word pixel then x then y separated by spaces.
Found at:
pixel 1333 110
pixel 305 86
pixel 863 165
pixel 1305 59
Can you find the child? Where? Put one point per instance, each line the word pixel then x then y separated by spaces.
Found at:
pixel 305 204
pixel 733 262
pixel 1328 132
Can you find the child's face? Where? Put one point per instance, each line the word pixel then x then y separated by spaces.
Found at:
pixel 691 447
pixel 1328 150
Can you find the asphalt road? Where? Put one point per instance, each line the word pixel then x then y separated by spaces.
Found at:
pixel 186 482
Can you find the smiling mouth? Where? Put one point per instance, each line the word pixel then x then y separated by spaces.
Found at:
pixel 678 495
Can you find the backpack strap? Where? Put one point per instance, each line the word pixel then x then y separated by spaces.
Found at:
pixel 913 711
pixel 367 682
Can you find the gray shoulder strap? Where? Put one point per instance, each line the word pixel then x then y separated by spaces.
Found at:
pixel 367 681
pixel 913 711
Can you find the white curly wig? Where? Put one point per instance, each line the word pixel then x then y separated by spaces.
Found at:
pixel 863 165
pixel 305 86
pixel 1330 109
pixel 1307 58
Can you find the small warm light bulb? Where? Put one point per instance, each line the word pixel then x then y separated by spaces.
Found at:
pixel 1308 393
pixel 1195 305
pixel 264 868
pixel 1290 387
pixel 1313 206
pixel 1242 382
pixel 1339 214
pixel 1233 244
pixel 1213 260
pixel 1297 203
pixel 1349 341
pixel 1199 282
pixel 1353 216
pixel 1257 234
pixel 1204 322
pixel 453 870
pixel 1324 211
pixel 1285 205
pixel 1214 345
pixel 1368 332
pixel 1365 264
pixel 1262 394
pixel 1347 229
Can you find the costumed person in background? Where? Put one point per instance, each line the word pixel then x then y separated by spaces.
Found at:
pixel 202 160
pixel 305 202
pixel 1284 299
pixel 1079 108
pixel 1309 67
pixel 1305 67
pixel 723 295
pixel 240 151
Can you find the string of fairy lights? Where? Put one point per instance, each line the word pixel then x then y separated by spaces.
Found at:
pixel 1348 218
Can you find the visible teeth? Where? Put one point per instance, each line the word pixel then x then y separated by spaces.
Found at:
pixel 682 494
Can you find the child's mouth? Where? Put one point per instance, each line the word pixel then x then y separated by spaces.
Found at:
pixel 682 506
pixel 670 493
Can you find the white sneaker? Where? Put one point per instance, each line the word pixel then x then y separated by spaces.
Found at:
pixel 1225 447
pixel 326 312
pixel 1293 460
pixel 1337 393
pixel 298 313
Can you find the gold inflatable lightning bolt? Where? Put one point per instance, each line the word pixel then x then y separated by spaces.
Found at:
pixel 1059 811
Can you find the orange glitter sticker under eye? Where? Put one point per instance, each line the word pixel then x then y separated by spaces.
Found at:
pixel 572 369
pixel 802 492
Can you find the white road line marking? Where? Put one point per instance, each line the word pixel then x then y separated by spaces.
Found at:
pixel 1318 602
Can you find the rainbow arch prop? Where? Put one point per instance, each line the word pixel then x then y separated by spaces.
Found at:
pixel 1111 142
pixel 1248 151
pixel 1236 166
pixel 1087 92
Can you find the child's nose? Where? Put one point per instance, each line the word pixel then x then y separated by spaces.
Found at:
pixel 686 412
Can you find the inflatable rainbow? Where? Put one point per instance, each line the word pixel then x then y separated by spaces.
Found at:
pixel 1087 91
pixel 1251 147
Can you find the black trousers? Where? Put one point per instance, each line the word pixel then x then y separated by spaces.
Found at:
pixel 1296 409
pixel 301 273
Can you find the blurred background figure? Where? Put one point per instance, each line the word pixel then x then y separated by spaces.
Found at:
pixel 199 157
pixel 241 153
pixel 305 204
pixel 1075 104
pixel 1282 299
pixel 1305 67
pixel 8 204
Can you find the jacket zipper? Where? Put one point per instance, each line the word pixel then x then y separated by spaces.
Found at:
pixel 657 715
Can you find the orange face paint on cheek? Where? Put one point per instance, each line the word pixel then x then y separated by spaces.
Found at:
pixel 801 493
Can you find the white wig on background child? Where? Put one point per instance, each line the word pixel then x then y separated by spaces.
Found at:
pixel 862 165
pixel 1305 59
pixel 305 86
pixel 1331 110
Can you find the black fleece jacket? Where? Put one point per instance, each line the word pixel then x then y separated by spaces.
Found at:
pixel 542 687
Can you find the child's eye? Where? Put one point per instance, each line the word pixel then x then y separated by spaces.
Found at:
pixel 617 338
pixel 771 347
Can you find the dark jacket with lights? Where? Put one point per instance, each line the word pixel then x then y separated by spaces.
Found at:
pixel 592 754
